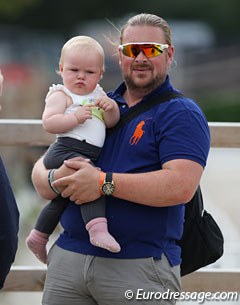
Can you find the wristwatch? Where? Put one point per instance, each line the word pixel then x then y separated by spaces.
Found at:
pixel 106 184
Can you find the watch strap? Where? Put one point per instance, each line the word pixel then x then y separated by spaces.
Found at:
pixel 106 184
pixel 108 177
pixel 101 181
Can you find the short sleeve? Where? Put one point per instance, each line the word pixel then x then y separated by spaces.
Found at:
pixel 183 133
pixel 55 88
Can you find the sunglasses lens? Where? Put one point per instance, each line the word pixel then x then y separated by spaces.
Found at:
pixel 131 50
pixel 150 50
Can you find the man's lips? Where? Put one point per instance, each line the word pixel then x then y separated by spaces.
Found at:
pixel 141 68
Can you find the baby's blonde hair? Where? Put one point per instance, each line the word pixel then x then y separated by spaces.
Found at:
pixel 83 42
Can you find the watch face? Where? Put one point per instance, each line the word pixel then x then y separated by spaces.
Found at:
pixel 108 188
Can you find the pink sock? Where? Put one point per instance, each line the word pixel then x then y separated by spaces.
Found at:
pixel 36 242
pixel 99 235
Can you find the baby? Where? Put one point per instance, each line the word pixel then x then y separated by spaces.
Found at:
pixel 78 112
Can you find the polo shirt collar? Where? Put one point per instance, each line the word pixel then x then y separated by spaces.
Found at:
pixel 117 94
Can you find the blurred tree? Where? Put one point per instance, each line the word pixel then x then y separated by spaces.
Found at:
pixel 61 15
pixel 14 9
pixel 222 16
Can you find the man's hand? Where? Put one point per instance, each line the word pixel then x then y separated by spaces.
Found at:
pixel 81 186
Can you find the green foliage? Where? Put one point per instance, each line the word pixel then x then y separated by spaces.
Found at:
pixel 222 16
pixel 63 15
pixel 221 108
pixel 14 9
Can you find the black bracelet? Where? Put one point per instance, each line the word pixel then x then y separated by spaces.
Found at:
pixel 51 179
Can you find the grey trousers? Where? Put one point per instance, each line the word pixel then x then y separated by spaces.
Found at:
pixel 76 279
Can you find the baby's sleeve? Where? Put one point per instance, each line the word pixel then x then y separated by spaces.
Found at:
pixel 55 88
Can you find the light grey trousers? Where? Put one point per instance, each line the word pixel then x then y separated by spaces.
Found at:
pixel 76 279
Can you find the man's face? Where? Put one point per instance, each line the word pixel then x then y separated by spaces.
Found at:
pixel 143 72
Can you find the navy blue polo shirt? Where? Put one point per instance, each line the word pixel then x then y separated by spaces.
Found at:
pixel 172 130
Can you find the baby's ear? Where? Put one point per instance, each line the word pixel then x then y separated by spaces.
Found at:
pixel 101 73
pixel 60 68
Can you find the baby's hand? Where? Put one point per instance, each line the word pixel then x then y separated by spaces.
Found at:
pixel 105 103
pixel 83 113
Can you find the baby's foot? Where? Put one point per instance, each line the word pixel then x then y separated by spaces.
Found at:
pixel 105 241
pixel 99 235
pixel 36 242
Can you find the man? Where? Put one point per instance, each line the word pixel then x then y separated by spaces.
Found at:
pixel 153 163
pixel 9 221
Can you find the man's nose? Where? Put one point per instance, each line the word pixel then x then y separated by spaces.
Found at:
pixel 141 56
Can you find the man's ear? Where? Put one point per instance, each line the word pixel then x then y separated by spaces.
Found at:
pixel 170 51
pixel 120 57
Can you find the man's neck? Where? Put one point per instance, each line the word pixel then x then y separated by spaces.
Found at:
pixel 132 97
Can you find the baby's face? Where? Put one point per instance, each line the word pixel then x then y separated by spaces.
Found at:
pixel 81 70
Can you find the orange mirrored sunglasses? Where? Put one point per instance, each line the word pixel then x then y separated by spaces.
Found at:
pixel 150 49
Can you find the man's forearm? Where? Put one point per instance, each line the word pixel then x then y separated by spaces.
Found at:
pixel 147 191
pixel 175 183
pixel 165 187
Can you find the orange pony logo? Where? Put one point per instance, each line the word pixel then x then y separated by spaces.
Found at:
pixel 138 133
